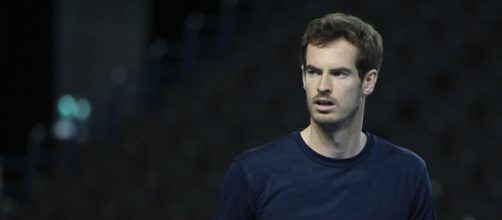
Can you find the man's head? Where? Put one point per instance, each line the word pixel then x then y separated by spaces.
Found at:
pixel 332 27
pixel 341 56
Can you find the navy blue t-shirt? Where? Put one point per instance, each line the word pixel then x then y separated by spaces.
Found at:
pixel 286 179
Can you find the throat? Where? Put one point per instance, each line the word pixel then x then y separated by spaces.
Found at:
pixel 341 144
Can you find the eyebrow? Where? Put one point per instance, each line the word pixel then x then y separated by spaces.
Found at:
pixel 310 67
pixel 339 69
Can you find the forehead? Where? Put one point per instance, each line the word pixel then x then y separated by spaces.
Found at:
pixel 339 53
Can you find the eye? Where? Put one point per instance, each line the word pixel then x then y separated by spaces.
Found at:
pixel 311 71
pixel 339 73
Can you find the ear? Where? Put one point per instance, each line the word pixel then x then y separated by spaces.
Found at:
pixel 303 76
pixel 369 81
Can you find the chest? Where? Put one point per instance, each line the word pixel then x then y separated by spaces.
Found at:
pixel 334 193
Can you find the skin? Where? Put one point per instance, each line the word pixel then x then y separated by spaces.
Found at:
pixel 335 99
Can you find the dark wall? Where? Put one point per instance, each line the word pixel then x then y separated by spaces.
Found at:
pixel 168 21
pixel 25 70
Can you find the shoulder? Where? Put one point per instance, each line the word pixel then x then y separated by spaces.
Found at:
pixel 412 168
pixel 268 152
pixel 258 165
pixel 388 151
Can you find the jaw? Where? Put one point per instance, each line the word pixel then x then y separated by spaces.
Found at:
pixel 348 119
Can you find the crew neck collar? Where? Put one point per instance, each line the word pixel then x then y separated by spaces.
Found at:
pixel 346 162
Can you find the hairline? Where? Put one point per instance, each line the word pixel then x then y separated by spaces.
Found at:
pixel 358 56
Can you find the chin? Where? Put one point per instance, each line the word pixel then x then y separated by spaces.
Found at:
pixel 323 119
pixel 331 121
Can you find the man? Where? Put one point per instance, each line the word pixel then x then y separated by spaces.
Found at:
pixel 332 169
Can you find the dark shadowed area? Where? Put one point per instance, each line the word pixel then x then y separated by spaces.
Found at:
pixel 135 109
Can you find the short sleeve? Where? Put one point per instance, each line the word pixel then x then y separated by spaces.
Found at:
pixel 234 203
pixel 422 199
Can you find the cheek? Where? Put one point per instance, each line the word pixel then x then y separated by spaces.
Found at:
pixel 309 89
pixel 352 94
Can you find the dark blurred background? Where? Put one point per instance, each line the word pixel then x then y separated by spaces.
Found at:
pixel 135 109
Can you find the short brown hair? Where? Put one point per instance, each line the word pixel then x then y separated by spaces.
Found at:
pixel 332 27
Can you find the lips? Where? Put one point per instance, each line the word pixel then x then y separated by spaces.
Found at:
pixel 323 102
pixel 324 105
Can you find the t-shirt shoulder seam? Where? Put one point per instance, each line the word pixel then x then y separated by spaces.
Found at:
pixel 413 157
pixel 264 147
pixel 246 181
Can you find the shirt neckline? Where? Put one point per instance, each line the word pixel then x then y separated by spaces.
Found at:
pixel 346 162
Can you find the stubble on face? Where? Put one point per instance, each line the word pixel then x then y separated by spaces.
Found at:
pixel 343 113
pixel 344 92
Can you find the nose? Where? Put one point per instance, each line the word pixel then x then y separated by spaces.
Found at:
pixel 324 86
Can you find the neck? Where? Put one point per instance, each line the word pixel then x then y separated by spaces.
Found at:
pixel 338 141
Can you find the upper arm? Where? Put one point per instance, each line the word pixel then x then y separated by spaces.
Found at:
pixel 422 204
pixel 234 202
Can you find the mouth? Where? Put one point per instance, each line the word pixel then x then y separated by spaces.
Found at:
pixel 323 102
pixel 324 105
